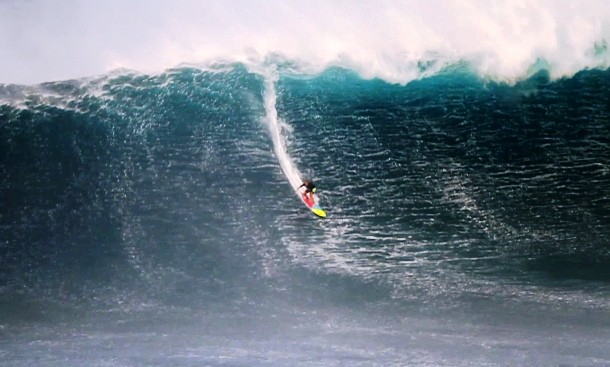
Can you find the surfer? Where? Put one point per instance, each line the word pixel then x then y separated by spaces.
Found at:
pixel 310 188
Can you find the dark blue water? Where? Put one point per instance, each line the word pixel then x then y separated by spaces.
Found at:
pixel 145 221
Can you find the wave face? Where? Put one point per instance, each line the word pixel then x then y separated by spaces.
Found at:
pixel 468 220
pixel 397 41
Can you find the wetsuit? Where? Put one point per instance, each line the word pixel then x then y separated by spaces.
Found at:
pixel 309 186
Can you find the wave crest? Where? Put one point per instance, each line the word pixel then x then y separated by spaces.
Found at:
pixel 395 41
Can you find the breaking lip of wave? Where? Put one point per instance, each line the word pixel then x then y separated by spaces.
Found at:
pixel 395 41
pixel 400 70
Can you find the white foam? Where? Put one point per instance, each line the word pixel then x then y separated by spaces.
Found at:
pixel 43 40
pixel 278 129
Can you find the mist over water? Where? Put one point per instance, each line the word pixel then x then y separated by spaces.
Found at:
pixel 398 41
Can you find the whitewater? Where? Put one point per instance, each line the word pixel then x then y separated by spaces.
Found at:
pixel 395 40
pixel 150 151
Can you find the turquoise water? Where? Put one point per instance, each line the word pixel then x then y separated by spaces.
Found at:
pixel 146 221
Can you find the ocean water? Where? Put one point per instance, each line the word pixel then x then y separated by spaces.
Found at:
pixel 148 218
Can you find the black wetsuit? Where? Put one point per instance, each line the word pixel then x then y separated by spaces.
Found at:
pixel 309 186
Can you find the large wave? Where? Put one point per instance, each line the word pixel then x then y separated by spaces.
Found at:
pixel 398 41
pixel 159 203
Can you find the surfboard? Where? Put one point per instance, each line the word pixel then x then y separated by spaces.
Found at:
pixel 313 205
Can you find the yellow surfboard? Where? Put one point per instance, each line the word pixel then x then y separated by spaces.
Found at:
pixel 313 205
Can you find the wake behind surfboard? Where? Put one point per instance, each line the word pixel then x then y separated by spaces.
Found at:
pixel 313 205
pixel 275 128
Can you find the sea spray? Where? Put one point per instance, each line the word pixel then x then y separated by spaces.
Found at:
pixel 397 41
pixel 278 128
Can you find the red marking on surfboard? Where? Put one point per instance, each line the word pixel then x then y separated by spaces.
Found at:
pixel 308 200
